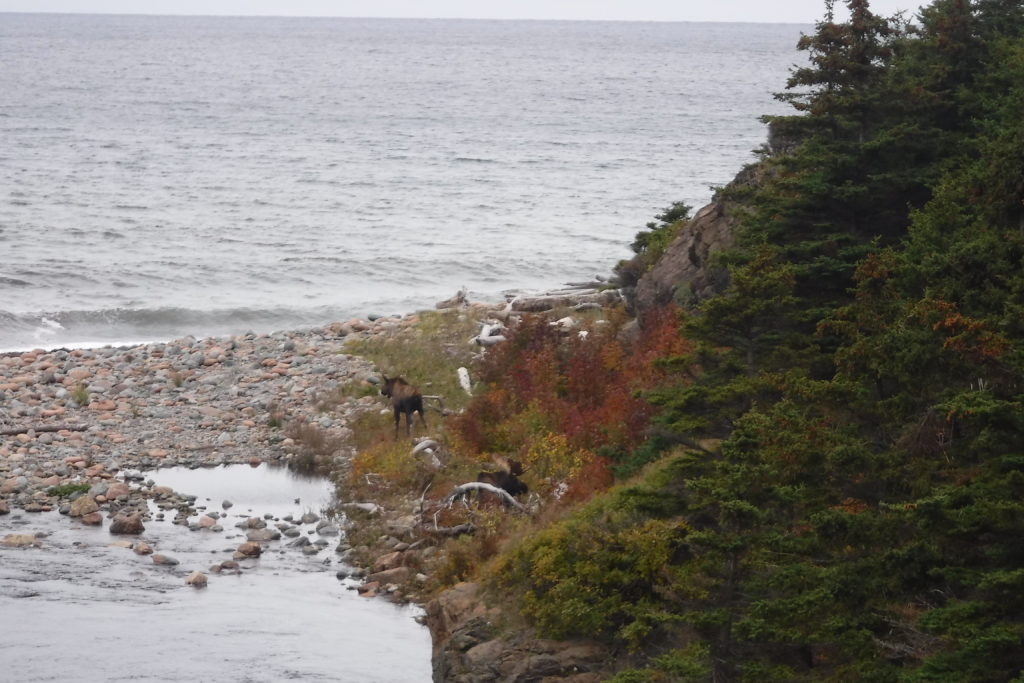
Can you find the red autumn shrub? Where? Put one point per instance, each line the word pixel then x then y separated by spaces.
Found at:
pixel 589 389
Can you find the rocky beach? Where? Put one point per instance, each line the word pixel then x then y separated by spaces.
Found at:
pixel 89 436
pixel 99 416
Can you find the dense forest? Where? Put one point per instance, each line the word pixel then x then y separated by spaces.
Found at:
pixel 819 473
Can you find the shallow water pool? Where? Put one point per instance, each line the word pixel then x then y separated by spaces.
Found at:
pixel 79 607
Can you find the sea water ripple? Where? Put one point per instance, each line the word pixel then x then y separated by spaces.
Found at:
pixel 164 176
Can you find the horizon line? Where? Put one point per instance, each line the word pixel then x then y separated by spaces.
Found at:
pixel 403 18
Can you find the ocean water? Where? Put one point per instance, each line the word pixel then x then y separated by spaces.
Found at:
pixel 165 176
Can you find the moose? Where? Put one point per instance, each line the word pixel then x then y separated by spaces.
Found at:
pixel 506 478
pixel 405 399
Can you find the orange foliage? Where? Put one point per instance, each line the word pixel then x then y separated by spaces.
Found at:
pixel 968 336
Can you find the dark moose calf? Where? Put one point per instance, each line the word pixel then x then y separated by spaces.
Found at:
pixel 507 477
pixel 406 399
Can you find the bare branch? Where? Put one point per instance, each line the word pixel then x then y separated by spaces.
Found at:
pixel 440 404
pixel 457 530
pixel 460 492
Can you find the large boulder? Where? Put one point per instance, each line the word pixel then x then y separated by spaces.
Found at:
pixel 116 490
pixel 83 505
pixel 196 579
pixel 127 523
pixel 248 549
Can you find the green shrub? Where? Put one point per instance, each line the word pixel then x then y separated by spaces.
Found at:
pixel 605 571
pixel 80 394
pixel 67 490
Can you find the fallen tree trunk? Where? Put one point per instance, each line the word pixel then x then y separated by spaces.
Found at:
pixel 452 531
pixel 39 429
pixel 463 489
pixel 536 304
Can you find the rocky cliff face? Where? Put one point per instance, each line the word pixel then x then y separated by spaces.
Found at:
pixel 685 273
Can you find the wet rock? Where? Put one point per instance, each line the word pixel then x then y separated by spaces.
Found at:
pixel 396 575
pixel 249 549
pixel 20 541
pixel 263 535
pixel 127 523
pixel 4 510
pixel 196 579
pixel 83 505
pixel 369 590
pixel 164 560
pixel 92 519
pixel 142 548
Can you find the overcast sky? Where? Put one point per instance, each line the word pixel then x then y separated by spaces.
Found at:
pixel 799 11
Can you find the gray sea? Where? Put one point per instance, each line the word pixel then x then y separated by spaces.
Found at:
pixel 166 176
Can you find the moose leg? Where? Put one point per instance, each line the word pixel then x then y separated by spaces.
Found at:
pixel 423 419
pixel 398 418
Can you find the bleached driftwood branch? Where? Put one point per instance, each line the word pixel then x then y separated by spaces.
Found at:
pixel 440 403
pixel 461 490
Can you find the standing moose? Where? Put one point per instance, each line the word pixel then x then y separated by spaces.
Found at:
pixel 405 398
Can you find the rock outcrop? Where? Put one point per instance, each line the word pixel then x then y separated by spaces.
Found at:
pixel 685 274
pixel 469 648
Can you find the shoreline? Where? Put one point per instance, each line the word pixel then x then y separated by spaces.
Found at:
pixel 77 415
pixel 97 418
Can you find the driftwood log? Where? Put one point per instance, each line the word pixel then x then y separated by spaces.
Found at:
pixel 440 404
pixel 39 429
pixel 565 299
pixel 457 530
pixel 461 490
